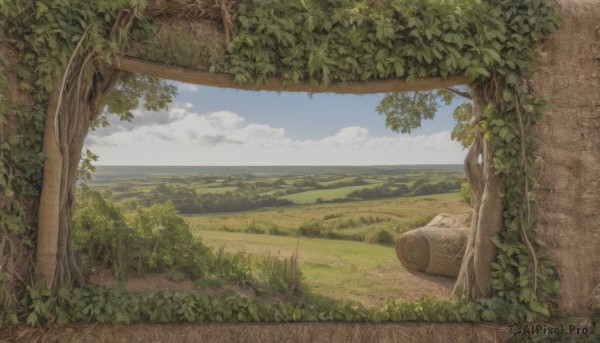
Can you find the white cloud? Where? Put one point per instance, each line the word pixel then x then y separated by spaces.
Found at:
pixel 186 87
pixel 180 136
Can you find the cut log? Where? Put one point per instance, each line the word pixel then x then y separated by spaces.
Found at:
pixel 436 248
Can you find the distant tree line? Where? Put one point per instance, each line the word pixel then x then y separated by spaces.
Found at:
pixel 357 181
pixel 310 184
pixel 187 201
pixel 419 187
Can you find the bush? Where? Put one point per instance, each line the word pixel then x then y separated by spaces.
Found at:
pixel 101 234
pixel 311 229
pixel 153 239
pixel 333 216
pixel 175 275
pixel 210 281
pixel 379 237
pixel 466 195
pixel 275 231
pixel 253 228
pixel 415 223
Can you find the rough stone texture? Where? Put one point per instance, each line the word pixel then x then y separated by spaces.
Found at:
pixel 568 77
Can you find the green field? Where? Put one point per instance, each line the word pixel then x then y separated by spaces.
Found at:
pixel 357 271
pixel 401 211
pixel 276 210
pixel 327 194
pixel 216 190
pixel 366 273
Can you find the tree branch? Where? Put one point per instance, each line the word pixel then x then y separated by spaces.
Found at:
pixel 136 65
pixel 459 93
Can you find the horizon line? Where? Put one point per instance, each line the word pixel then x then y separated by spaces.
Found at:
pixel 282 165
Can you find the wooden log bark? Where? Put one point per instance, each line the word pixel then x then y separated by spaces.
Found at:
pixel 136 65
pixel 49 208
pixel 474 278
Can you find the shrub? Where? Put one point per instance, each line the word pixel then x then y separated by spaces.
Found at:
pixel 414 223
pixel 175 275
pixel 154 239
pixel 466 195
pixel 101 234
pixel 311 229
pixel 210 281
pixel 274 230
pixel 253 228
pixel 332 216
pixel 379 237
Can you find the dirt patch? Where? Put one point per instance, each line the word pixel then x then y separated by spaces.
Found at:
pixel 413 284
pixel 160 282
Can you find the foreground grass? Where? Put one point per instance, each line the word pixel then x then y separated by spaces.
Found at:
pixel 366 273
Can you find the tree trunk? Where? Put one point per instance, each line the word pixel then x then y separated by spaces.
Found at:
pixel 48 213
pixel 83 100
pixel 474 278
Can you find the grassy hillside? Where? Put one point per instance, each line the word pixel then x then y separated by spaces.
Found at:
pixel 395 215
pixel 365 273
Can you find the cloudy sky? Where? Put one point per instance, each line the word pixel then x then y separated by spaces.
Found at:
pixel 221 127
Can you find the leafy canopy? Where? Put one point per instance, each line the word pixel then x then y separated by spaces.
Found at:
pixel 404 112
pixel 156 94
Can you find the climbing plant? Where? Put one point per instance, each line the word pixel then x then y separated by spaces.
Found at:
pixel 491 42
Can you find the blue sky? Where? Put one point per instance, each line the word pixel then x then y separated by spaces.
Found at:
pixel 304 116
pixel 216 126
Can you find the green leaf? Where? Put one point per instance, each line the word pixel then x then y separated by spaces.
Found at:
pixel 296 314
pixel 509 277
pixel 32 319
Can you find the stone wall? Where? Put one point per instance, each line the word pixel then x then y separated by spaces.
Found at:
pixel 568 77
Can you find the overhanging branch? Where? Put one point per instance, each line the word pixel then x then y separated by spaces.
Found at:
pixel 460 93
pixel 204 78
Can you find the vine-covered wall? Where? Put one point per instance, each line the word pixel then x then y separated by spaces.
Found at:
pixel 492 42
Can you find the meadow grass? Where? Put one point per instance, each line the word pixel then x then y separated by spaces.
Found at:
pixel 216 190
pixel 366 273
pixel 402 211
pixel 343 179
pixel 338 269
pixel 328 194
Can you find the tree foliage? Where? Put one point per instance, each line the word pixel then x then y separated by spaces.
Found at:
pixel 156 94
pixel 464 130
pixel 405 112
pixel 188 201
